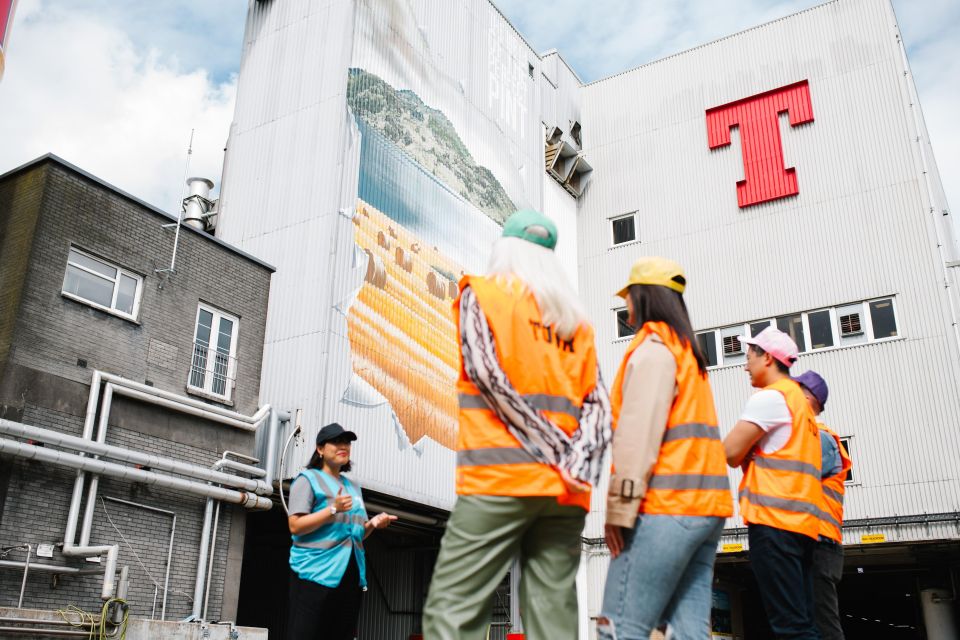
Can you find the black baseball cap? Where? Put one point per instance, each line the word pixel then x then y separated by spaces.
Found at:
pixel 334 430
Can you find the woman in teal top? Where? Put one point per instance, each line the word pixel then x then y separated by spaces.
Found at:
pixel 328 523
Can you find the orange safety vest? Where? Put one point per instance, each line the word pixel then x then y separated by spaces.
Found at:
pixel 690 475
pixel 552 374
pixel 831 509
pixel 782 489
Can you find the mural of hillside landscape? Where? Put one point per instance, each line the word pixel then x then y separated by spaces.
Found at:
pixel 427 213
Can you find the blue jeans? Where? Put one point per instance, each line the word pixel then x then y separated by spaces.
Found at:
pixel 782 564
pixel 664 574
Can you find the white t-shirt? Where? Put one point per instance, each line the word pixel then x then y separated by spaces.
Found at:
pixel 768 410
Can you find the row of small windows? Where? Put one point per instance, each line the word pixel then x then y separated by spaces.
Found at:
pixel 845 325
pixel 108 287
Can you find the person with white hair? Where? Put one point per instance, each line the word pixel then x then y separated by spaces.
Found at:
pixel 534 425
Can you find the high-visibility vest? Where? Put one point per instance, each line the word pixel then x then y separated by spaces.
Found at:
pixel 552 374
pixel 782 489
pixel 322 555
pixel 831 509
pixel 690 475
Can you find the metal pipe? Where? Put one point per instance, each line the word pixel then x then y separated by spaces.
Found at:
pixel 70 533
pixel 185 408
pixel 105 403
pixel 195 472
pixel 256 472
pixel 213 557
pixel 126 383
pixel 26 570
pixel 50 568
pixel 74 461
pixel 173 531
pixel 241 456
pixel 202 560
pixel 39 631
pixel 273 434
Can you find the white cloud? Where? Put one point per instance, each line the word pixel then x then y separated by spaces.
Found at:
pixel 77 86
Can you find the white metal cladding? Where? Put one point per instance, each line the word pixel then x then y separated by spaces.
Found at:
pixel 861 227
pixel 291 189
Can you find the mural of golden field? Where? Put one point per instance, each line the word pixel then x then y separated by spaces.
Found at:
pixel 402 335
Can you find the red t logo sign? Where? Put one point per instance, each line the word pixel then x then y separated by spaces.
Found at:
pixel 764 176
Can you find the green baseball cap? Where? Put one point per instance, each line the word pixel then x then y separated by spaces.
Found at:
pixel 531 226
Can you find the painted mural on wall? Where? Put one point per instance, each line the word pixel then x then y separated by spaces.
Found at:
pixel 427 213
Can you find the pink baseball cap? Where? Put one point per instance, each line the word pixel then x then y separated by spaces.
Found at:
pixel 776 343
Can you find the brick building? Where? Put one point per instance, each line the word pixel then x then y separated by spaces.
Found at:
pixel 84 288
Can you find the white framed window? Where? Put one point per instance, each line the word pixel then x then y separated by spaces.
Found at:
pixel 623 229
pixel 708 346
pixel 103 285
pixel 624 330
pixel 214 362
pixel 845 325
pixel 846 441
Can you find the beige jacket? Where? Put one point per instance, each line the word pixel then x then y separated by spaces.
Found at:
pixel 649 389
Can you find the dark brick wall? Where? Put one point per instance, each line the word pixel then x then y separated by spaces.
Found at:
pixel 20 202
pixel 52 332
pixel 43 210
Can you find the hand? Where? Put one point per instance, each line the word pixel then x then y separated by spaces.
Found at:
pixel 382 520
pixel 342 502
pixel 748 459
pixel 613 534
pixel 573 485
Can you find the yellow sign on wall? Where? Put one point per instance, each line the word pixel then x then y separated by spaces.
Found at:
pixel 731 548
pixel 873 538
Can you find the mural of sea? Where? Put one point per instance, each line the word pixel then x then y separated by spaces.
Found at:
pixel 426 214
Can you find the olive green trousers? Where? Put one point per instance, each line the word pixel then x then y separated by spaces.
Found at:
pixel 483 536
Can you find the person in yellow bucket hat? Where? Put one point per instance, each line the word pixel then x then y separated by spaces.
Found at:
pixel 669 494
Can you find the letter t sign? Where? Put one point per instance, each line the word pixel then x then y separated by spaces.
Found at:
pixel 764 176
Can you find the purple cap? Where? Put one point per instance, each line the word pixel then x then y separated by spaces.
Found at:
pixel 776 343
pixel 815 383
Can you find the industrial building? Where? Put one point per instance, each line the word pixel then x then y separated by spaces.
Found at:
pixel 130 357
pixel 377 146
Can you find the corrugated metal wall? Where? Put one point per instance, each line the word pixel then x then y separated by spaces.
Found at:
pixel 859 228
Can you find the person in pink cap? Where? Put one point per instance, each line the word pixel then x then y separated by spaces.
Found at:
pixel 777 443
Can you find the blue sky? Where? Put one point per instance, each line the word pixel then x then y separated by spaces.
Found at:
pixel 115 86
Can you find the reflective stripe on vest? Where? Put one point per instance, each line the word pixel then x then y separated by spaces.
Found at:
pixel 690 475
pixel 552 375
pixel 541 401
pixel 783 489
pixel 831 508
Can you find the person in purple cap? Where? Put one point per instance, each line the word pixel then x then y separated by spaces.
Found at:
pixel 777 444
pixel 828 554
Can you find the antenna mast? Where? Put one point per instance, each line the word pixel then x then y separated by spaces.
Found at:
pixel 176 238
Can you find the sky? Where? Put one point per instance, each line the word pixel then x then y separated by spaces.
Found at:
pixel 116 86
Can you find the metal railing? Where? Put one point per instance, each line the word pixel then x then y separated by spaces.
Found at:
pixel 212 370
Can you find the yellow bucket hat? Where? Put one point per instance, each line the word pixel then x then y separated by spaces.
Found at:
pixel 653 270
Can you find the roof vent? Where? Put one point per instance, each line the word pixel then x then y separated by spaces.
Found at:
pixel 197 207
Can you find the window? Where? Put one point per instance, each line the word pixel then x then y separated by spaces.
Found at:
pixel 821 329
pixel 793 327
pixel 845 443
pixel 708 347
pixel 757 327
pixel 102 285
pixel 882 318
pixel 624 229
pixel 841 326
pixel 623 327
pixel 213 367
